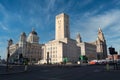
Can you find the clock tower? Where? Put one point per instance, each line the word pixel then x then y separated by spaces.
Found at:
pixel 62 26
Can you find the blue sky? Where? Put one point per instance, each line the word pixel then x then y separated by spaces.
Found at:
pixel 86 16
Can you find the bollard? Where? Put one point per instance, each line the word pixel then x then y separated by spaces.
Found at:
pixel 107 67
pixel 25 68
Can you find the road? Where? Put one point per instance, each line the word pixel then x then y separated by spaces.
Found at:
pixel 65 73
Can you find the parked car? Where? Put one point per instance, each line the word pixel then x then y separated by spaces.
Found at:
pixel 92 62
pixel 98 62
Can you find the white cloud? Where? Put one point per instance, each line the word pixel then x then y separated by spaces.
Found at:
pixel 88 25
pixel 85 2
pixel 3 26
pixel 49 6
pixel 3 11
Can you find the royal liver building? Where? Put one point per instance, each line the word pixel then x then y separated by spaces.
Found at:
pixel 63 47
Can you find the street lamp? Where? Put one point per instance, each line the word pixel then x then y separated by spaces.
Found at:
pixel 8 55
pixel 31 59
pixel 10 42
pixel 48 57
pixel 0 59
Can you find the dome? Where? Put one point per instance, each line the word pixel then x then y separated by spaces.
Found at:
pixel 34 33
pixel 33 37
pixel 23 34
pixel 10 40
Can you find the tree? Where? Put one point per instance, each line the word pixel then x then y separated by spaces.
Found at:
pixel 65 60
pixel 83 58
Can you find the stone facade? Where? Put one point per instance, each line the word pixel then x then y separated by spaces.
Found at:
pixel 62 27
pixel 88 49
pixel 63 47
pixel 60 49
pixel 101 45
pixel 29 47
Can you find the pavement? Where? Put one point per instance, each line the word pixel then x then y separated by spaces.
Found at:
pixel 12 69
pixel 59 72
pixel 64 72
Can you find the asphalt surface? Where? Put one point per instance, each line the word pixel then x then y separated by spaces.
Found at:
pixel 11 69
pixel 97 72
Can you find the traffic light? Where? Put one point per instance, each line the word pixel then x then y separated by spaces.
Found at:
pixel 20 56
pixel 116 52
pixel 8 55
pixel 112 50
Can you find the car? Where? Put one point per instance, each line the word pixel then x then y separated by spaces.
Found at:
pixel 102 61
pixel 93 62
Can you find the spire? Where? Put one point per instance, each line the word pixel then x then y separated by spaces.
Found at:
pixel 99 30
pixel 78 38
pixel 33 29
pixel 101 35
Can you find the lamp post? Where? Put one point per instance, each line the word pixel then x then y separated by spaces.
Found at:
pixel 31 59
pixel 48 57
pixel 0 59
pixel 10 42
pixel 8 55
